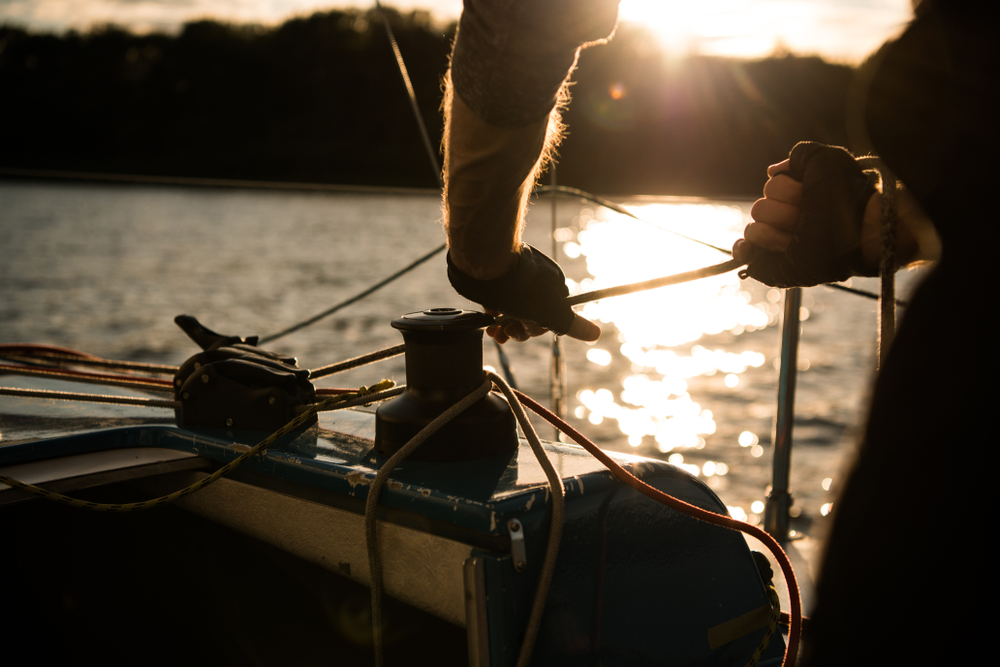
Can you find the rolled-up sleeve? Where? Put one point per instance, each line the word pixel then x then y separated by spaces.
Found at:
pixel 511 57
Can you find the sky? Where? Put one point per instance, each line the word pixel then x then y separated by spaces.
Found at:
pixel 839 30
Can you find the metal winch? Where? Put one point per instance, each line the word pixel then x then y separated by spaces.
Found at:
pixel 444 362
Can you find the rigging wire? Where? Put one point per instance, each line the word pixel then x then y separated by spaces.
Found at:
pixel 557 367
pixel 412 95
pixel 437 175
pixel 357 297
pixel 431 155
pixel 552 190
pixel 618 208
pixel 555 190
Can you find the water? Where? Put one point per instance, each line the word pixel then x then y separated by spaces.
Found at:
pixel 686 373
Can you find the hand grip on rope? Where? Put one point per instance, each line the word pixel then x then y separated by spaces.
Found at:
pixel 826 239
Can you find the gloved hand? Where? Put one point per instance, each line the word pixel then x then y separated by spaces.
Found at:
pixel 825 243
pixel 533 289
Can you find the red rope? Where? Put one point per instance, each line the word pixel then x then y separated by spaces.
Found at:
pixel 64 372
pixel 693 511
pixel 35 348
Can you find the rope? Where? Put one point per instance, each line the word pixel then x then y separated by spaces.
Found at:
pixel 357 297
pixel 555 530
pixel 90 398
pixel 357 394
pixel 345 401
pixel 772 625
pixel 145 384
pixel 66 360
pixel 356 362
pixel 887 257
pixel 695 512
pixel 39 348
pixel 574 192
pixel 643 286
pixel 379 392
pixel 675 279
pixel 371 541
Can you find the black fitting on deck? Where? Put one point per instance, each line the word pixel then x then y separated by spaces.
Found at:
pixel 444 362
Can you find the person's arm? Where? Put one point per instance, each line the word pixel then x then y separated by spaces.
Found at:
pixel 502 121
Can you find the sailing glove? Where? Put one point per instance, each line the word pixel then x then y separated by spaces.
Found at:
pixel 533 290
pixel 826 241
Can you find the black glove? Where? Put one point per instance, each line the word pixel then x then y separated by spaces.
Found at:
pixel 826 241
pixel 533 289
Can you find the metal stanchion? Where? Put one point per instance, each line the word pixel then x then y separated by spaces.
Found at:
pixel 779 500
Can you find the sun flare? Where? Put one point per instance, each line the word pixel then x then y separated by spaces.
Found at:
pixel 758 28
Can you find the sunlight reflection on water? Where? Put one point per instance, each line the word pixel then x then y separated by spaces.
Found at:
pixel 104 268
pixel 655 328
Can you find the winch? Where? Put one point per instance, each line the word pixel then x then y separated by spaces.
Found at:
pixel 444 362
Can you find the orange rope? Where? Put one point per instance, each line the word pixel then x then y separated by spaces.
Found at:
pixel 37 348
pixel 84 375
pixel 791 650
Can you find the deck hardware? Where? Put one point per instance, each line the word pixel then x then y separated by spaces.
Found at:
pixel 444 362
pixel 517 549
pixel 232 381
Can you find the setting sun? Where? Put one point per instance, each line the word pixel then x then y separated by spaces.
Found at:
pixel 758 28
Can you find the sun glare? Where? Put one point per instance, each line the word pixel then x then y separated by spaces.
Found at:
pixel 758 28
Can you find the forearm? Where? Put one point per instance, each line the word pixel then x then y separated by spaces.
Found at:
pixel 490 171
pixel 502 121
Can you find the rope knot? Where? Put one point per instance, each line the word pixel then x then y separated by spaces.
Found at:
pixel 381 385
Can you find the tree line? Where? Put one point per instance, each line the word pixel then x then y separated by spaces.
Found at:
pixel 320 99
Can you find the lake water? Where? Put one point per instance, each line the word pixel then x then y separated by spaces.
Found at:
pixel 685 373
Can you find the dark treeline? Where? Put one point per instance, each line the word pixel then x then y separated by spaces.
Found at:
pixel 319 99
